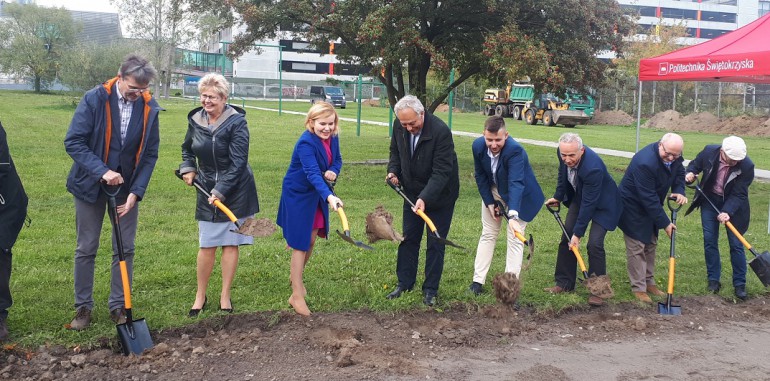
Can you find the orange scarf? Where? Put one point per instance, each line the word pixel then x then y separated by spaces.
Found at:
pixel 108 133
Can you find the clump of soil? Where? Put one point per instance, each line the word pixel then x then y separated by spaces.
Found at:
pixel 612 118
pixel 379 225
pixel 600 286
pixel 259 227
pixel 507 287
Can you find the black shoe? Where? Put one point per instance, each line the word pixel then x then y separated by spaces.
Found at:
pixel 740 292
pixel 3 331
pixel 195 311
pixel 715 286
pixel 228 310
pixel 430 299
pixel 475 288
pixel 396 293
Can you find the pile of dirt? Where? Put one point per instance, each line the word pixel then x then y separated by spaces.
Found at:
pixel 667 120
pixel 371 103
pixel 742 125
pixel 445 108
pixel 701 121
pixel 612 118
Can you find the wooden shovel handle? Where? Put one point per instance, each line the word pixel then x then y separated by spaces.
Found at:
pixel 740 237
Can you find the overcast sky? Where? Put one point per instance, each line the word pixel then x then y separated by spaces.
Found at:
pixel 80 5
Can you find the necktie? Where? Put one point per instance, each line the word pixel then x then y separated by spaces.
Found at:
pixel 667 164
pixel 571 174
pixel 414 143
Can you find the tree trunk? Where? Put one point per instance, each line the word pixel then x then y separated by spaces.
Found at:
pixel 37 83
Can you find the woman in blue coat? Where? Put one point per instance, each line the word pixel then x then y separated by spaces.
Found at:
pixel 306 195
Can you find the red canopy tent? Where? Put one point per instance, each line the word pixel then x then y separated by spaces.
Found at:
pixel 742 55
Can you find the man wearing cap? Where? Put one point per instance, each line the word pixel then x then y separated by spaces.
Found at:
pixel 727 174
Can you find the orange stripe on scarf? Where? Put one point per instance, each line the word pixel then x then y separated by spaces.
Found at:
pixel 146 96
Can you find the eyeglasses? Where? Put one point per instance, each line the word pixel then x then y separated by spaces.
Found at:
pixel 137 91
pixel 205 97
pixel 669 154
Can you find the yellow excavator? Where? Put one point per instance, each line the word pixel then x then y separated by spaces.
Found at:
pixel 552 111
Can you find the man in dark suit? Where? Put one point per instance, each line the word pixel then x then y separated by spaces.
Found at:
pixel 590 193
pixel 653 171
pixel 727 174
pixel 113 139
pixel 13 211
pixel 503 177
pixel 424 163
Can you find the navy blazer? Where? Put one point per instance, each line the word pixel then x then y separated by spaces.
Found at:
pixel 596 192
pixel 516 180
pixel 304 189
pixel 736 187
pixel 644 189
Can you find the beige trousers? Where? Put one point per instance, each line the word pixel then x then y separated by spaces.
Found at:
pixel 641 263
pixel 490 230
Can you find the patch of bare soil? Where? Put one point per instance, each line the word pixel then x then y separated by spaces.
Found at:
pixel 714 338
pixel 742 125
pixel 612 118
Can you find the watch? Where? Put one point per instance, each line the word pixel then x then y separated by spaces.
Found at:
pixel 513 214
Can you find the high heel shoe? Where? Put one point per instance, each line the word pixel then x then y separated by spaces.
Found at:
pixel 195 311
pixel 228 310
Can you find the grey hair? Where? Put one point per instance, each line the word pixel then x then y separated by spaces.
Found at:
pixel 409 101
pixel 138 68
pixel 216 82
pixel 571 137
pixel 670 136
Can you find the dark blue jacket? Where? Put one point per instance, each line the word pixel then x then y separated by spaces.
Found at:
pixel 644 188
pixel 85 143
pixel 596 192
pixel 516 181
pixel 736 187
pixel 304 189
pixel 13 199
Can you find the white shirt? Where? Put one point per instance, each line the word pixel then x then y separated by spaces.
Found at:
pixel 495 159
pixel 125 106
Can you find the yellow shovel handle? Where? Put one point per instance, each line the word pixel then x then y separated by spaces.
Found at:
pixel 520 237
pixel 427 220
pixel 671 266
pixel 226 210
pixel 579 259
pixel 343 218
pixel 740 237
pixel 126 285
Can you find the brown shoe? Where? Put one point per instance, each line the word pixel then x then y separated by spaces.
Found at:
pixel 595 301
pixel 82 319
pixel 118 315
pixel 642 297
pixel 652 289
pixel 555 289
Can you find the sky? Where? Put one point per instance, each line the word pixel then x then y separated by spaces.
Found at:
pixel 80 5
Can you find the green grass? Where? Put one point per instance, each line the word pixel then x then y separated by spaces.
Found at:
pixel 339 277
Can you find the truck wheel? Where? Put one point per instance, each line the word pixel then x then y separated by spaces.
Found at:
pixel 500 110
pixel 569 125
pixel 529 116
pixel 548 118
pixel 489 110
pixel 517 112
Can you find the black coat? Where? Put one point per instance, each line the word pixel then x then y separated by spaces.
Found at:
pixel 432 174
pixel 221 160
pixel 13 199
pixel 736 187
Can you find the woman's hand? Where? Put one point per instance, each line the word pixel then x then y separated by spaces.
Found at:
pixel 330 176
pixel 334 202
pixel 188 178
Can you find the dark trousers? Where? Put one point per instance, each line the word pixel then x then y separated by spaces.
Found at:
pixel 711 226
pixel 409 249
pixel 566 263
pixel 5 281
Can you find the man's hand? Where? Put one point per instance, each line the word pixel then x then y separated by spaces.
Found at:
pixel 125 208
pixel 552 202
pixel 112 178
pixel 393 178
pixel 723 217
pixel 670 229
pixel 689 177
pixel 514 224
pixel 574 242
pixel 680 198
pixel 188 178
pixel 494 212
pixel 419 205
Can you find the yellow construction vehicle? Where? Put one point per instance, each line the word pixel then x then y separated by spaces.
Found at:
pixel 552 111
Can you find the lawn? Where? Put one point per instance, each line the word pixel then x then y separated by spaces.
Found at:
pixel 340 277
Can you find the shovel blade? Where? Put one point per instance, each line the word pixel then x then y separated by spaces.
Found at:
pixel 346 236
pixel 761 266
pixel 134 337
pixel 669 309
pixel 446 242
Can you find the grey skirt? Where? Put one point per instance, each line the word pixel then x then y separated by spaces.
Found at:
pixel 215 234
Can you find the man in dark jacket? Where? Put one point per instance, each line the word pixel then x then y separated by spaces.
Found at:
pixel 424 163
pixel 113 139
pixel 13 211
pixel 590 193
pixel 653 170
pixel 503 177
pixel 727 174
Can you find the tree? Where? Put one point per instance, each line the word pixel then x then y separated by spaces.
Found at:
pixel 402 41
pixel 166 25
pixel 89 64
pixel 33 39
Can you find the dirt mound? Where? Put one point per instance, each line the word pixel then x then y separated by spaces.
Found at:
pixel 742 125
pixel 666 120
pixel 702 121
pixel 612 118
pixel 445 108
pixel 371 103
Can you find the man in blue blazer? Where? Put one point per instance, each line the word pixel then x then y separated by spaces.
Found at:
pixel 727 174
pixel 423 161
pixel 503 174
pixel 590 193
pixel 653 171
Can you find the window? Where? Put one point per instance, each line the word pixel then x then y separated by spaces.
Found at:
pixel 718 17
pixel 680 14
pixel 764 8
pixel 712 33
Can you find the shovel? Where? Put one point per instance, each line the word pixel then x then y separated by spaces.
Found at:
pixel 530 243
pixel 760 264
pixel 248 227
pixel 555 212
pixel 425 218
pixel 345 226
pixel 134 334
pixel 667 308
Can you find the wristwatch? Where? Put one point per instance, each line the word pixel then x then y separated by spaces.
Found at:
pixel 512 214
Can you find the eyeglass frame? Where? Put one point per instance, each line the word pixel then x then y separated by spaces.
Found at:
pixel 214 98
pixel 669 154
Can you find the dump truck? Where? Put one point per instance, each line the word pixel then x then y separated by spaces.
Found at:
pixel 552 111
pixel 508 102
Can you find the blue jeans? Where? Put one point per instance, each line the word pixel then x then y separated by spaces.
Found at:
pixel 708 218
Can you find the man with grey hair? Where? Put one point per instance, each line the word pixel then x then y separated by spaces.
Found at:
pixel 727 173
pixel 653 171
pixel 586 187
pixel 113 140
pixel 423 162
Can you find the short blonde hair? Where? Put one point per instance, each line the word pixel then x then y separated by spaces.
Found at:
pixel 322 110
pixel 215 82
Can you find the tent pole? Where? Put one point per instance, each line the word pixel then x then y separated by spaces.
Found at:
pixel 638 116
